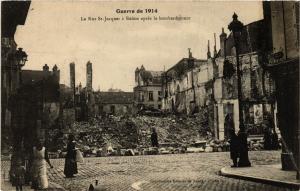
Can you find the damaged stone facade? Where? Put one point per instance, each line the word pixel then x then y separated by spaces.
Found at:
pixel 79 102
pixel 257 95
pixel 183 86
pixel 188 88
pixel 194 85
pixel 148 89
pixel 258 87
pixel 85 107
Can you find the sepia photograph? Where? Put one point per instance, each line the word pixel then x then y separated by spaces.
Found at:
pixel 157 95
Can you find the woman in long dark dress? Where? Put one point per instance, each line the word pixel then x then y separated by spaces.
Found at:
pixel 234 140
pixel 70 161
pixel 154 140
pixel 234 147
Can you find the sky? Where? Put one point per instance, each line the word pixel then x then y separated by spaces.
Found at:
pixel 54 33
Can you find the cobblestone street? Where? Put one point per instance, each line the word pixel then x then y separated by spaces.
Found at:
pixel 150 96
pixel 161 172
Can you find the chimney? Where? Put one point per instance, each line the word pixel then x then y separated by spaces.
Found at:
pixel 223 37
pixel 191 59
pixel 215 46
pixel 46 68
pixel 56 73
pixel 190 53
pixel 208 51
pixel 136 74
pixel 55 68
pixel 80 87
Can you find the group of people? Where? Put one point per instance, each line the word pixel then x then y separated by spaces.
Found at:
pixel 40 158
pixel 38 166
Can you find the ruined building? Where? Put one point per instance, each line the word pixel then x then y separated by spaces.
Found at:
pixel 148 89
pixel 258 99
pixel 67 100
pixel 114 103
pixel 46 83
pixel 181 92
pixel 209 86
pixel 82 103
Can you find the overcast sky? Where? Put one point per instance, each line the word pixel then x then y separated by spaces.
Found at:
pixel 54 34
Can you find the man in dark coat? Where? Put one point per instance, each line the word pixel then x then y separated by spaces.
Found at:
pixel 267 138
pixel 275 143
pixel 154 140
pixel 234 140
pixel 234 147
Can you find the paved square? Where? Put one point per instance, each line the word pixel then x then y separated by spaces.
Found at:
pixel 198 171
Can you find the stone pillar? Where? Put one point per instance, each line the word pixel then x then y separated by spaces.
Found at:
pixel 236 115
pixel 72 79
pixel 221 121
pixel 89 76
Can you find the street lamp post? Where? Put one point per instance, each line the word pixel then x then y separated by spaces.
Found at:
pixel 236 27
pixel 21 58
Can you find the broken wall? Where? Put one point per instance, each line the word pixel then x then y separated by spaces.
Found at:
pixel 118 109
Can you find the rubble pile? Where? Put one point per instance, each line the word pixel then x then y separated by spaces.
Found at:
pixel 114 131
pixel 217 146
pixel 98 133
pixel 256 145
pixel 135 132
pixel 180 130
pixel 131 132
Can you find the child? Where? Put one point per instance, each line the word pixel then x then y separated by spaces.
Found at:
pixel 19 175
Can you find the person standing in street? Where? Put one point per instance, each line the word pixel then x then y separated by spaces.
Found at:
pixel 234 140
pixel 234 147
pixel 70 161
pixel 267 138
pixel 154 140
pixel 275 142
